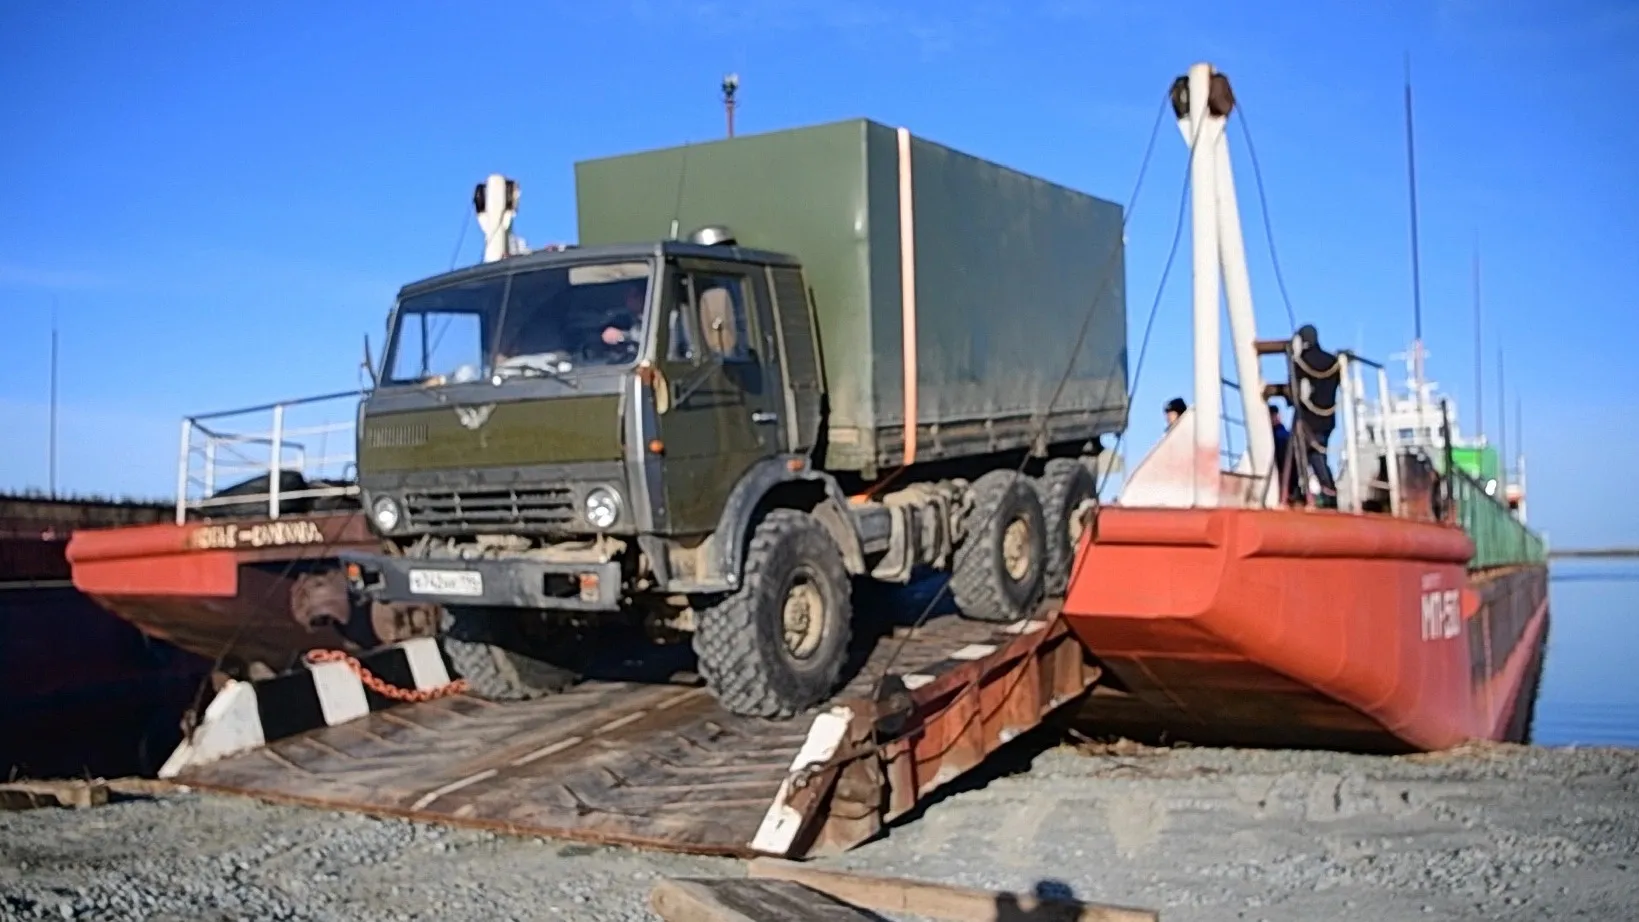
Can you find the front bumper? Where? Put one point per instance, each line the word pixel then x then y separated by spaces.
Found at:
pixel 532 584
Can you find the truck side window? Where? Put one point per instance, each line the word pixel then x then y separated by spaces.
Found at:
pixel 721 304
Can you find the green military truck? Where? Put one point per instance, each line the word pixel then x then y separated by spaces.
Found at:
pixel 832 376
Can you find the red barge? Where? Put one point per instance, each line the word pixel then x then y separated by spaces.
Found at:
pixel 1412 616
pixel 1205 606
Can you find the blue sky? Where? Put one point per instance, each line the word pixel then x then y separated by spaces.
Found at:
pixel 221 201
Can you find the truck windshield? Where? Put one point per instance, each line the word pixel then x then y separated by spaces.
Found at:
pixel 547 322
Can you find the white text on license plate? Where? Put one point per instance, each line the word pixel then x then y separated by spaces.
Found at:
pixel 446 582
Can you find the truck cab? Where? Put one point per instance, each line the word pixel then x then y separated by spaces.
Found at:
pixel 586 430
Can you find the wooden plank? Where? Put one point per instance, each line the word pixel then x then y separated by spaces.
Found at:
pixel 79 792
pixel 963 904
pixel 29 795
pixel 743 900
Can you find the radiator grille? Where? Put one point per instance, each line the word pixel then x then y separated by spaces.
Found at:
pixel 533 508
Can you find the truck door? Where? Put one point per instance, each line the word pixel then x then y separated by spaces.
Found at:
pixel 723 390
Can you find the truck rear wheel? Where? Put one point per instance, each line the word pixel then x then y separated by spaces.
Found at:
pixel 999 567
pixel 776 647
pixel 484 647
pixel 1066 486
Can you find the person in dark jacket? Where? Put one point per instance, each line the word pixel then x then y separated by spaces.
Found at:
pixel 1318 374
pixel 1286 467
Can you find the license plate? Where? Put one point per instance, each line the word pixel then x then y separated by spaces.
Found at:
pixel 446 582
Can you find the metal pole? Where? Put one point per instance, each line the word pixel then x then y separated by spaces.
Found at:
pixel 1416 259
pixel 182 473
pixel 1390 443
pixel 1202 132
pixel 1351 437
pixel 1502 428
pixel 51 451
pixel 274 468
pixel 1260 435
pixel 210 466
pixel 731 83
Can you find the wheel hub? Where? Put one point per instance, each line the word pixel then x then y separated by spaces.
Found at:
pixel 802 618
pixel 1016 549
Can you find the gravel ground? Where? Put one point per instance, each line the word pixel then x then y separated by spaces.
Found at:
pixel 1206 835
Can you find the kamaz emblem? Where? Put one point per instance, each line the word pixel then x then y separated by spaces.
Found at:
pixel 473 417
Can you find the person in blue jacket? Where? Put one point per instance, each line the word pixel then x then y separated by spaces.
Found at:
pixel 1285 468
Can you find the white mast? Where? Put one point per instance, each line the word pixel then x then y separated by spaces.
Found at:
pixel 1202 133
pixel 1186 468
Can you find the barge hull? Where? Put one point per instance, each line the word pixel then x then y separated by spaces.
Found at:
pixel 1274 627
pixel 255 594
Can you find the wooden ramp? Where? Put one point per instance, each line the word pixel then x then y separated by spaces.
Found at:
pixel 655 764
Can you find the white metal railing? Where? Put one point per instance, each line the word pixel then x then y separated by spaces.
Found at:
pixel 1367 437
pixel 314 437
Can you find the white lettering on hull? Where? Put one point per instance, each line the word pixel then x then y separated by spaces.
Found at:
pixel 259 535
pixel 1442 614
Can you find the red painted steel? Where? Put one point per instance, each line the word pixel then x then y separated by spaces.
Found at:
pixel 1296 628
pixel 204 558
pixel 218 585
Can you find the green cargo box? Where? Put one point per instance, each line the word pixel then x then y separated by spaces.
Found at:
pixel 1007 268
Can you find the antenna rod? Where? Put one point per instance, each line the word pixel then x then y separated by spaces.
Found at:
pixel 731 83
pixel 1502 419
pixel 51 438
pixel 1479 356
pixel 1416 266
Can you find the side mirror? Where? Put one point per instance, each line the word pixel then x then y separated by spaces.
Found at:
pixel 369 364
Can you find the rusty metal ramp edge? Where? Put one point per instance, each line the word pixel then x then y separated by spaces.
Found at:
pixel 653 765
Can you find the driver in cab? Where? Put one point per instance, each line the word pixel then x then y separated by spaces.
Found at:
pixel 624 326
pixel 607 329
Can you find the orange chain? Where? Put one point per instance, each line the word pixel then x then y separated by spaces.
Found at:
pixel 383 688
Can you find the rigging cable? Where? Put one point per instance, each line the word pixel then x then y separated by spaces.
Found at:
pixel 1263 209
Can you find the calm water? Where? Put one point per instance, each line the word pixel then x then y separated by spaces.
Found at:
pixel 1590 685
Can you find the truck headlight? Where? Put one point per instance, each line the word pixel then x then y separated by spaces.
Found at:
pixel 601 508
pixel 386 513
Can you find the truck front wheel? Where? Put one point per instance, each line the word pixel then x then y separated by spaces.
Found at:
pixel 1000 566
pixel 485 648
pixel 776 647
